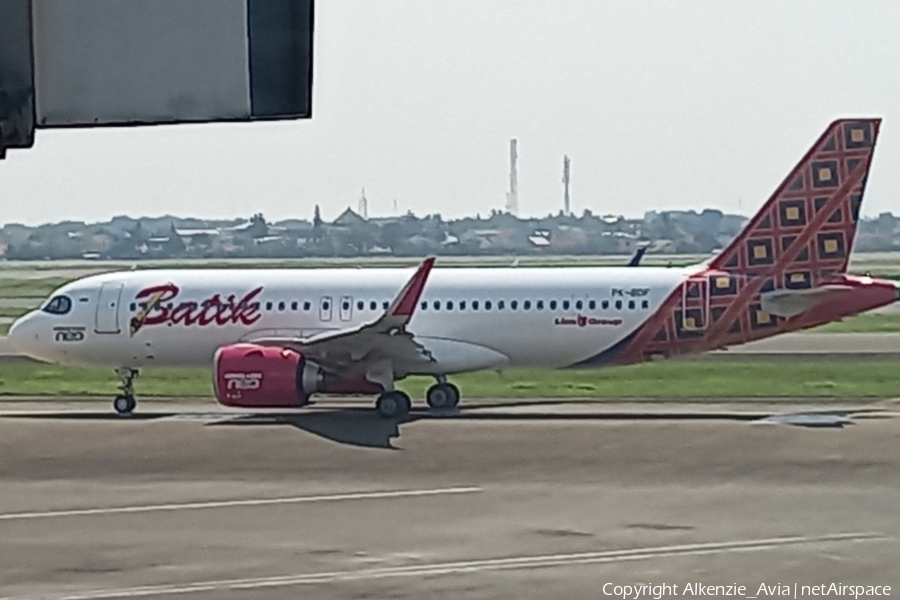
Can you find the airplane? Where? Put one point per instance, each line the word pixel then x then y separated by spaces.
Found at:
pixel 275 337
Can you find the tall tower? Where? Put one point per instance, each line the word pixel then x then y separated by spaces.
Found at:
pixel 363 205
pixel 566 207
pixel 512 196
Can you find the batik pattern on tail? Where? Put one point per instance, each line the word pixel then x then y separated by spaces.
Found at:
pixel 799 240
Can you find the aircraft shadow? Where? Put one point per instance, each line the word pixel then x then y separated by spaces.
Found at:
pixel 345 426
pixel 364 428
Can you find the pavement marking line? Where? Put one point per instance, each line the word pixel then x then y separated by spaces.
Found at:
pixel 471 566
pixel 230 503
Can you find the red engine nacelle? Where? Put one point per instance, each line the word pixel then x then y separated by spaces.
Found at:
pixel 253 376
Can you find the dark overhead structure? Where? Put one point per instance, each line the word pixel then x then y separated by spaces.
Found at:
pixel 97 63
pixel 16 76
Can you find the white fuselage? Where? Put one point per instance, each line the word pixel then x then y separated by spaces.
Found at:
pixel 467 318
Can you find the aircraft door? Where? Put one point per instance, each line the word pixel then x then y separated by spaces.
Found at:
pixel 346 308
pixel 325 308
pixel 107 316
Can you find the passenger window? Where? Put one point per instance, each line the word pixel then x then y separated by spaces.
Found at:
pixel 578 304
pixel 437 305
pixel 474 304
pixel 526 305
pixel 487 305
pixel 645 304
pixel 514 304
pixel 449 304
pixel 618 305
pixel 605 305
pixel 592 305
pixel 385 304
pixel 565 305
pixel 553 305
pixel 500 304
pixel 462 305
pixel 631 305
pixel 268 306
pixel 360 305
pixel 133 307
pixel 294 305
pixel 281 305
pixel 373 305
pixel 424 305
pixel 540 305
pixel 307 305
pixel 58 305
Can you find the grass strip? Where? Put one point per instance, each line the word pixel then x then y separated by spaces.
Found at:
pixel 28 287
pixel 865 323
pixel 673 379
pixel 13 312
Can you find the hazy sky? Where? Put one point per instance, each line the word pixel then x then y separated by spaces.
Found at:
pixel 660 105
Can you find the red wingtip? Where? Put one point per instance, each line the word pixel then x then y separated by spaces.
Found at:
pixel 409 297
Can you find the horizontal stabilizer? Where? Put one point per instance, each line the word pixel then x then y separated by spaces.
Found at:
pixel 789 303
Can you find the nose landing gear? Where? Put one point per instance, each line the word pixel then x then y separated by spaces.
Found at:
pixel 124 404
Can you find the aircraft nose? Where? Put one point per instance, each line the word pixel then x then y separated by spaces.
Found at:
pixel 23 335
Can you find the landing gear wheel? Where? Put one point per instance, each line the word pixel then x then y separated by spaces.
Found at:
pixel 124 405
pixel 393 405
pixel 442 395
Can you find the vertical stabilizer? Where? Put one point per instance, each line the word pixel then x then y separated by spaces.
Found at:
pixel 806 228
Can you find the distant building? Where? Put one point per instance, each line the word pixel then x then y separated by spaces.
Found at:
pixel 349 218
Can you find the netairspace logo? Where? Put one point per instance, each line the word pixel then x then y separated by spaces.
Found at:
pixel 647 591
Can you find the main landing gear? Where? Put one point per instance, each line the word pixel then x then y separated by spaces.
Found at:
pixel 442 395
pixel 125 403
pixel 394 404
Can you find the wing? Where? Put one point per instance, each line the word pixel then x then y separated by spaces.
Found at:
pixel 351 349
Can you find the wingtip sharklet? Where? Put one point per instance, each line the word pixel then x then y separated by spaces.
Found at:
pixel 406 302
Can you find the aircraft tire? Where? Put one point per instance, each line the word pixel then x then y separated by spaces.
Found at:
pixel 393 405
pixel 124 405
pixel 442 395
pixel 455 395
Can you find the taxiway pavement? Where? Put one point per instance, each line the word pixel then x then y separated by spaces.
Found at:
pixel 510 500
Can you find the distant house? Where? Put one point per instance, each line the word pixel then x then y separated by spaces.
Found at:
pixel 198 238
pixel 349 218
pixel 540 239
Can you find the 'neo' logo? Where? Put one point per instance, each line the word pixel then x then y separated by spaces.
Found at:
pixel 243 381
pixel 68 334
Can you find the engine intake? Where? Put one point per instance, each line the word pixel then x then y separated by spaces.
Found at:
pixel 254 376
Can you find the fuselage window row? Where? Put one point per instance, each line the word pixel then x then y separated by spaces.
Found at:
pixel 437 305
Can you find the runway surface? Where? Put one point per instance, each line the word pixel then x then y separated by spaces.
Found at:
pixel 509 500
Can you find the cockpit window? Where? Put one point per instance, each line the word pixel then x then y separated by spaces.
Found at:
pixel 58 305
